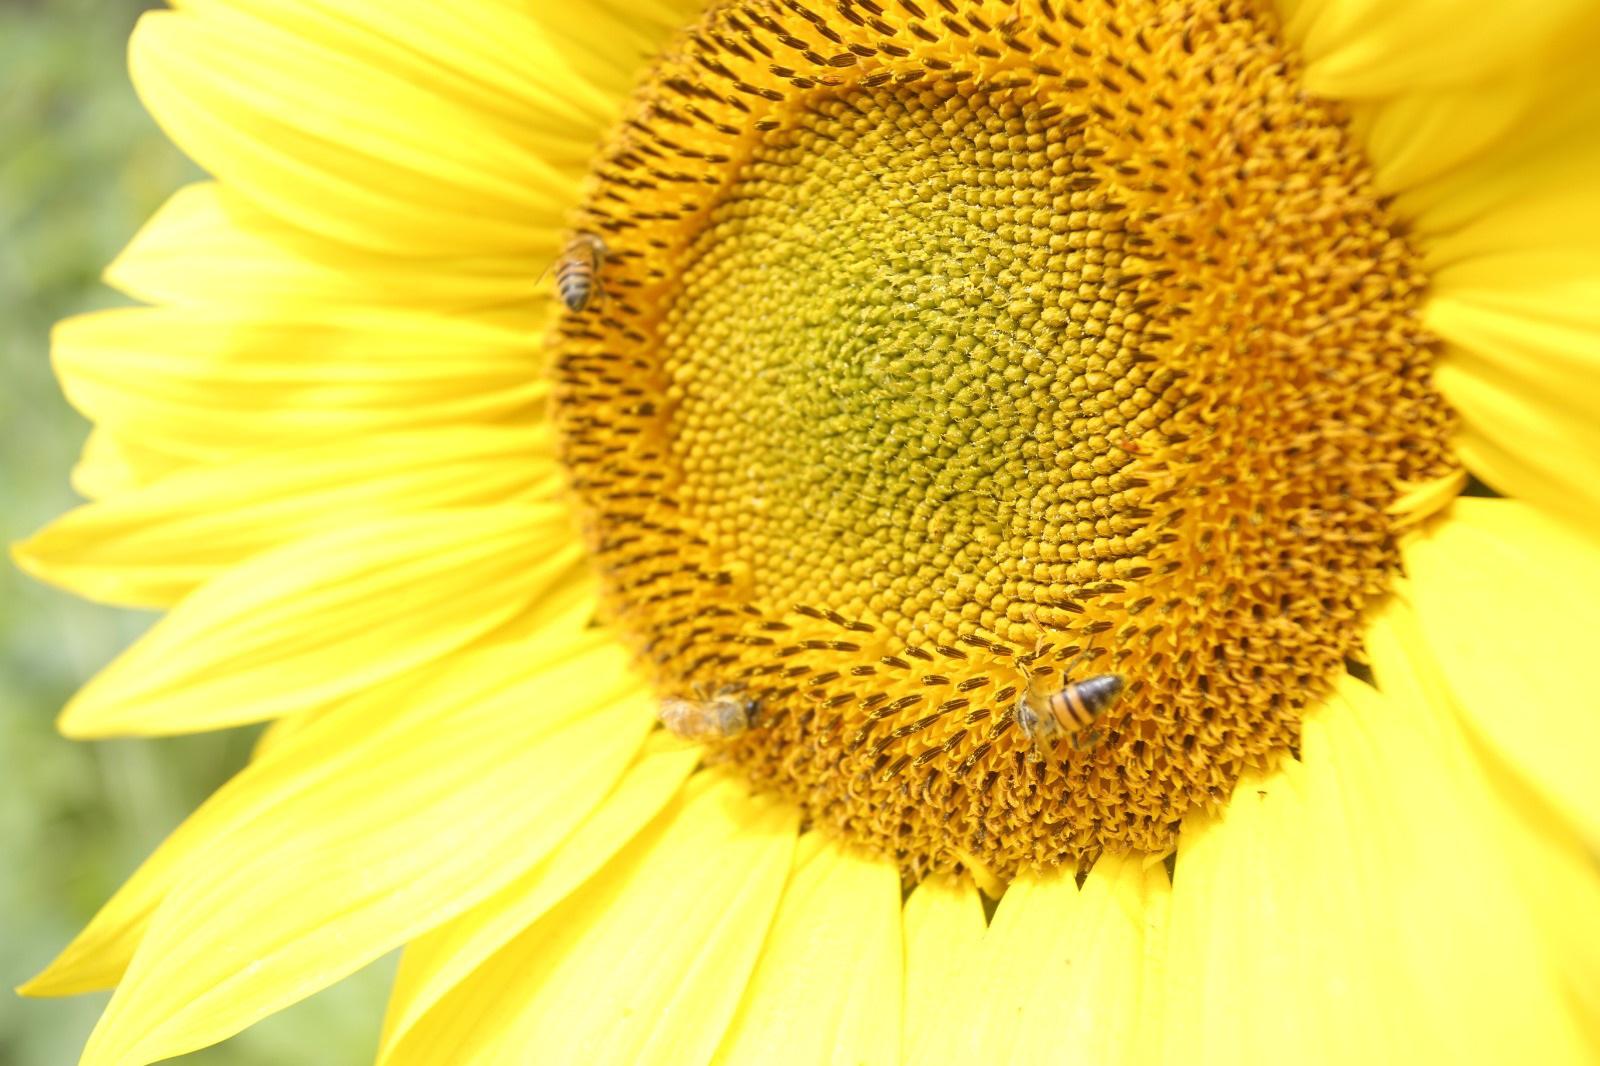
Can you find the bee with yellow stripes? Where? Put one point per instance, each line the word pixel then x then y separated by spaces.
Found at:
pixel 578 270
pixel 1068 712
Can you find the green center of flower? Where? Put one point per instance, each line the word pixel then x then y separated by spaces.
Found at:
pixel 987 427
pixel 902 348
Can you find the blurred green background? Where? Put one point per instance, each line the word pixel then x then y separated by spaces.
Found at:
pixel 81 167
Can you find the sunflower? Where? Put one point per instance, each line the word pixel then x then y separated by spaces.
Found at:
pixel 1048 531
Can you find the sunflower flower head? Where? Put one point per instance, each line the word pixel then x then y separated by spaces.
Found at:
pixel 938 349
pixel 706 491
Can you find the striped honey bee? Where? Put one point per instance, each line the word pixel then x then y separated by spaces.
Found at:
pixel 578 270
pixel 724 715
pixel 1068 712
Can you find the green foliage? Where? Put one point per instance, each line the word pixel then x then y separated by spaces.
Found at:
pixel 82 167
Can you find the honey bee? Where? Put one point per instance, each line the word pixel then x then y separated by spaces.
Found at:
pixel 722 716
pixel 578 268
pixel 1068 712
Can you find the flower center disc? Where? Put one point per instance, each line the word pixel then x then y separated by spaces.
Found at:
pixel 943 356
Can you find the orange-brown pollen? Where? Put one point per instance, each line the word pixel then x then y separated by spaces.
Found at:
pixel 949 348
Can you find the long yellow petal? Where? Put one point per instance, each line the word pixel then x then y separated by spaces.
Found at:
pixel 943 926
pixel 500 65
pixel 608 42
pixel 827 988
pixel 325 617
pixel 1523 371
pixel 324 880
pixel 1556 871
pixel 699 888
pixel 1545 438
pixel 437 962
pixel 1424 135
pixel 151 548
pixel 1107 969
pixel 1351 906
pixel 108 467
pixel 1534 189
pixel 1359 49
pixel 210 247
pixel 214 388
pixel 351 150
pixel 286 760
pixel 1059 969
pixel 1509 603
pixel 1542 335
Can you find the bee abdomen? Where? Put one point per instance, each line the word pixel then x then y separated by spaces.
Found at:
pixel 1069 711
pixel 576 271
pixel 1095 695
pixel 575 283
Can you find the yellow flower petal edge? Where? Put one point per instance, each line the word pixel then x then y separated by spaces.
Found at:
pixel 209 248
pixel 349 150
pixel 435 963
pixel 289 760
pixel 1331 890
pixel 500 65
pixel 699 887
pixel 828 983
pixel 324 617
pixel 1357 49
pixel 1556 871
pixel 1508 601
pixel 1059 968
pixel 151 548
pixel 212 388
pixel 235 939
pixel 1549 441
pixel 943 926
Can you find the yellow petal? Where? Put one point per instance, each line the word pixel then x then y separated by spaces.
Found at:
pixel 608 42
pixel 287 759
pixel 1533 189
pixel 107 467
pixel 324 617
pixel 1058 968
pixel 1110 982
pixel 209 247
pixel 1510 474
pixel 151 548
pixel 1366 48
pixel 1484 123
pixel 1543 335
pixel 212 388
pixel 1352 907
pixel 1555 870
pixel 943 926
pixel 1547 448
pixel 827 988
pixel 1523 371
pixel 1421 501
pixel 326 880
pixel 1509 603
pixel 351 150
pixel 1421 136
pixel 647 963
pixel 276 733
pixel 499 65
pixel 436 962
